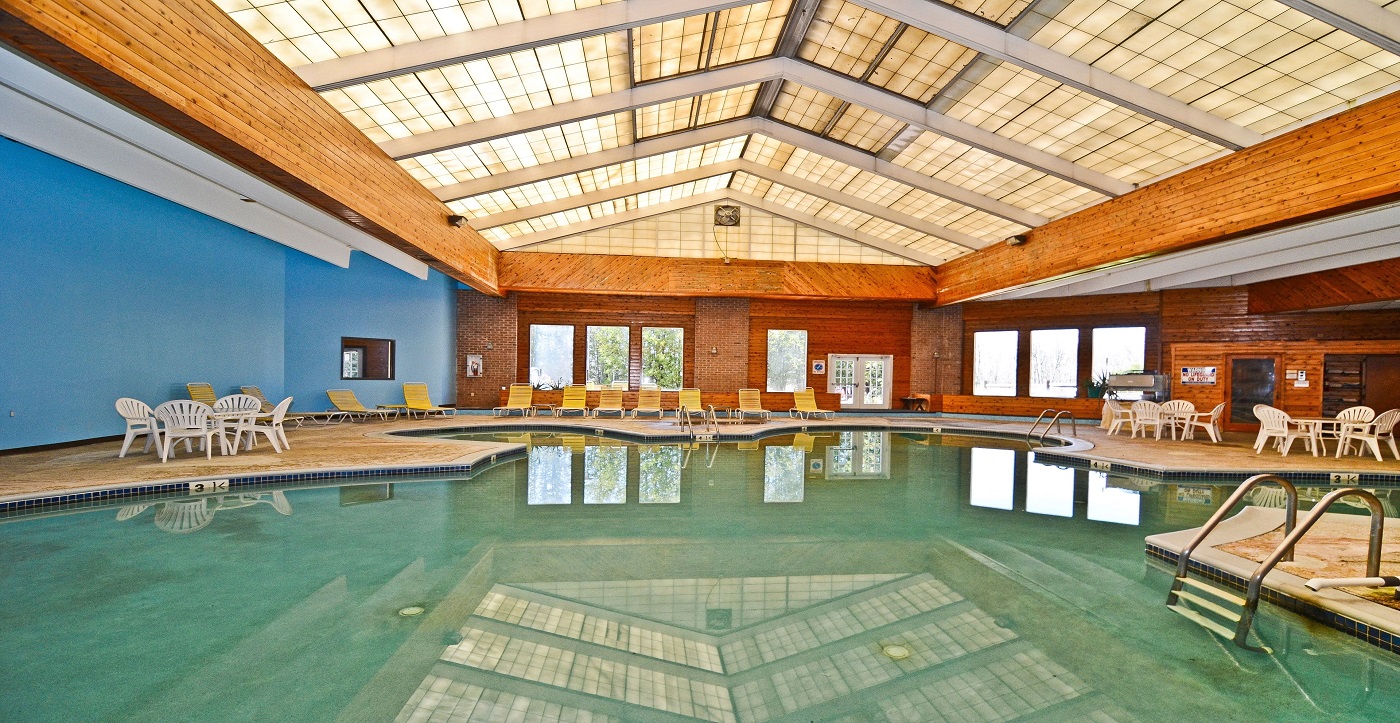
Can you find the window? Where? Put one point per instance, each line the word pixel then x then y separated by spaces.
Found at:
pixel 994 363
pixel 550 475
pixel 607 355
pixel 1054 362
pixel 604 475
pixel 663 356
pixel 787 360
pixel 782 473
pixel 660 478
pixel 1049 490
pixel 551 356
pixel 992 482
pixel 362 358
pixel 1119 350
pixel 1112 504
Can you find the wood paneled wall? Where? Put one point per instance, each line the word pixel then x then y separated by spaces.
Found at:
pixel 189 67
pixel 1222 315
pixel 1304 355
pixel 1342 163
pixel 593 273
pixel 1068 313
pixel 1359 284
pixel 834 328
pixel 584 310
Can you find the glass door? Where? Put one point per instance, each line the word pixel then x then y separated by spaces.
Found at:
pixel 861 380
pixel 1252 380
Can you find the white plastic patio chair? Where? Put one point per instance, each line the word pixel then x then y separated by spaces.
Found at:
pixel 272 428
pixel 1275 424
pixel 1147 414
pixel 1118 415
pixel 1175 413
pixel 140 419
pixel 1209 421
pixel 1370 434
pixel 188 420
pixel 238 425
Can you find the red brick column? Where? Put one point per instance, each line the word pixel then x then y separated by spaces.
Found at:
pixel 486 325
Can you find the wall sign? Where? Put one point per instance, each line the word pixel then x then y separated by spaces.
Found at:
pixel 1198 375
pixel 818 366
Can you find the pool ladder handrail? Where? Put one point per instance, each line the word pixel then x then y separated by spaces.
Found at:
pixel 1054 422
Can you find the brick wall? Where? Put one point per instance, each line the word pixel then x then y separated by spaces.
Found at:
pixel 721 324
pixel 481 321
pixel 936 337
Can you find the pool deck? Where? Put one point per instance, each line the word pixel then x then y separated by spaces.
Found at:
pixel 369 445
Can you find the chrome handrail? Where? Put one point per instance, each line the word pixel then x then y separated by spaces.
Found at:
pixel 1183 558
pixel 1054 422
pixel 1290 539
pixel 1031 432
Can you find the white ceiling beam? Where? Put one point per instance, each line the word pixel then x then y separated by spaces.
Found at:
pixel 827 148
pixel 827 81
pixel 501 39
pixel 636 214
pixel 619 101
pixel 988 38
pixel 1372 23
pixel 823 192
pixel 836 229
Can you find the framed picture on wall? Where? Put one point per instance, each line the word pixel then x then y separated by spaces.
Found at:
pixel 818 366
pixel 473 365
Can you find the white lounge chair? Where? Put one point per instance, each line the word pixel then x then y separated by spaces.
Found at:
pixel 272 427
pixel 1370 434
pixel 1117 415
pixel 1275 424
pixel 1147 414
pixel 1209 421
pixel 140 419
pixel 186 419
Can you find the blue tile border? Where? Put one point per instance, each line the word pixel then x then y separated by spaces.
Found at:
pixel 1311 479
pixel 68 501
pixel 1384 639
pixel 728 433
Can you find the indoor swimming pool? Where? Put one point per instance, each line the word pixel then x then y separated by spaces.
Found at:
pixel 856 575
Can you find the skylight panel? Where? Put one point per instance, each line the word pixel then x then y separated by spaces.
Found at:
pixel 1254 62
pixel 307 31
pixel 804 107
pixel 1000 12
pixel 701 42
pixel 920 64
pixel 993 176
pixel 864 128
pixel 768 151
pixel 523 150
pixel 498 86
pixel 1074 125
pixel 696 111
pixel 750 184
pixel 846 37
pixel 611 207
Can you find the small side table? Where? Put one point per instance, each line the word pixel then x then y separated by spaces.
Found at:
pixel 535 409
pixel 915 404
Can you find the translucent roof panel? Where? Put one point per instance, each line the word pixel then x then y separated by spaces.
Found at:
pixel 846 37
pixel 522 150
pixel 699 42
pixel 1254 62
pixel 896 196
pixel 920 64
pixel 864 128
pixel 1074 125
pixel 307 31
pixel 607 208
pixel 803 107
pixel 498 86
pixel 993 176
pixel 1000 12
pixel 617 174
pixel 806 203
pixel 696 111
pixel 690 233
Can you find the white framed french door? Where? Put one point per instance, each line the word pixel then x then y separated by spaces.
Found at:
pixel 862 380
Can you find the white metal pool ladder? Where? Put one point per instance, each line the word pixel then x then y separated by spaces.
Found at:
pixel 1057 415
pixel 1194 606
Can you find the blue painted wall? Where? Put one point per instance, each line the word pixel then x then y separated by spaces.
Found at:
pixel 107 291
pixel 374 300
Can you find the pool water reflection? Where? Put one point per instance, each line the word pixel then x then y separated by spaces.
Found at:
pixel 854 575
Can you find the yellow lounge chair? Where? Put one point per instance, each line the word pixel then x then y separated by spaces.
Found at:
pixel 610 401
pixel 521 399
pixel 690 404
pixel 346 403
pixel 298 417
pixel 202 392
pixel 751 404
pixel 648 402
pixel 803 442
pixel 415 397
pixel 805 405
pixel 575 400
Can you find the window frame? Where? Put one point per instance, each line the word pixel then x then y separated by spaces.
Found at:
pixel 377 359
pixel 530 357
pixel 680 353
pixel 768 360
pixel 1015 363
pixel 592 383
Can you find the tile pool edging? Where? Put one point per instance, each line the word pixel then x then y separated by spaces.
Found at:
pixel 1382 638
pixel 1311 478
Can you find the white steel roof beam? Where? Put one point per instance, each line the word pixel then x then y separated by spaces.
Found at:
pixel 836 229
pixel 636 214
pixel 1372 23
pixel 602 195
pixel 501 39
pixel 988 38
pixel 721 131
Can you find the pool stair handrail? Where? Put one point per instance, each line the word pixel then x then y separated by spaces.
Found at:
pixel 1200 605
pixel 1057 415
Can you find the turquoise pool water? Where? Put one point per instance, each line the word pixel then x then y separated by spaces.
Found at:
pixel 854 576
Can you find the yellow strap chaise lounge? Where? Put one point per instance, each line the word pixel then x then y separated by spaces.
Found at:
pixel 648 402
pixel 751 404
pixel 805 405
pixel 416 401
pixel 575 400
pixel 610 402
pixel 521 399
pixel 202 392
pixel 346 403
pixel 690 405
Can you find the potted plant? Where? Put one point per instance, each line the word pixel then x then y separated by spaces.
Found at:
pixel 1097 386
